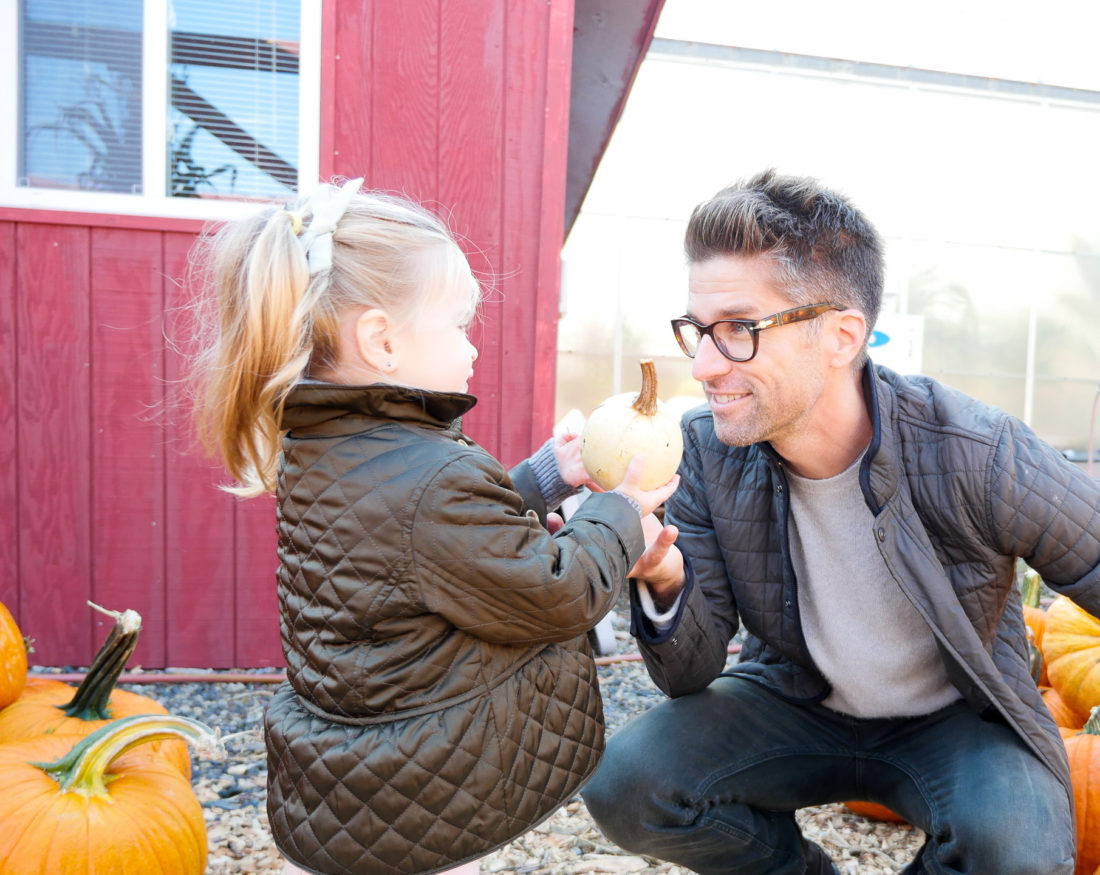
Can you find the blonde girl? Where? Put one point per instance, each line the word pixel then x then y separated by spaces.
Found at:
pixel 441 697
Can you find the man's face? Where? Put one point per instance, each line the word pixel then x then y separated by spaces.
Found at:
pixel 771 397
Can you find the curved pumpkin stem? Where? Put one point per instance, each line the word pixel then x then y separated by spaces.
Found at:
pixel 1031 588
pixel 92 697
pixel 1034 658
pixel 1092 725
pixel 646 402
pixel 82 770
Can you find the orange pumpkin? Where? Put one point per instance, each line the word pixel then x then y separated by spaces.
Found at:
pixel 1071 649
pixel 1036 619
pixel 1083 751
pixel 94 807
pixel 1064 716
pixel 13 659
pixel 874 811
pixel 47 707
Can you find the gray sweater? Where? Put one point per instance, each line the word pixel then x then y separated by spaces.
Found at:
pixel 869 642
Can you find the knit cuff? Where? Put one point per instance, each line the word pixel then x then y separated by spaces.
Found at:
pixel 544 465
pixel 633 501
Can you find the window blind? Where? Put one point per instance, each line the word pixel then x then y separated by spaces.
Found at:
pixel 80 110
pixel 233 84
pixel 230 95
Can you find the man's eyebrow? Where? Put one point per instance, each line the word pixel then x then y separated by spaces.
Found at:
pixel 734 312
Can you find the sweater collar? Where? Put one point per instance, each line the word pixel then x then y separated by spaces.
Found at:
pixel 312 404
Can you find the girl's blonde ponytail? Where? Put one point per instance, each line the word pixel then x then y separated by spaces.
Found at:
pixel 280 282
pixel 259 349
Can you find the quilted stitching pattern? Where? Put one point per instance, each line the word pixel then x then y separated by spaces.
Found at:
pixel 977 481
pixel 397 798
pixel 437 703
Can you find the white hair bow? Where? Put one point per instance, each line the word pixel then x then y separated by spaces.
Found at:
pixel 328 205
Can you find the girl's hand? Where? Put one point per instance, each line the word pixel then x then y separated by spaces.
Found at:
pixel 649 499
pixel 567 450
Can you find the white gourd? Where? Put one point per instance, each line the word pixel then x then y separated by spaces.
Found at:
pixel 624 426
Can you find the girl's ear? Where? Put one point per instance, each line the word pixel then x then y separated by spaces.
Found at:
pixel 373 340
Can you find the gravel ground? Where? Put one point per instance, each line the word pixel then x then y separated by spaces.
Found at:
pixel 233 793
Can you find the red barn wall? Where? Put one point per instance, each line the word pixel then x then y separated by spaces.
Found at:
pixel 464 105
pixel 461 104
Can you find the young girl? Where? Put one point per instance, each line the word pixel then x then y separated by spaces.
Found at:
pixel 441 697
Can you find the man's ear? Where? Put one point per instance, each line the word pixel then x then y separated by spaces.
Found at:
pixel 849 331
pixel 374 340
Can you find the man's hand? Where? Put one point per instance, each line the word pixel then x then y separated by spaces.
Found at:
pixel 661 566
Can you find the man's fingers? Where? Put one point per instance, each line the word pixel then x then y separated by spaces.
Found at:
pixel 657 550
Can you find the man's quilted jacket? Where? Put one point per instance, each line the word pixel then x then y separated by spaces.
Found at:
pixel 441 697
pixel 958 489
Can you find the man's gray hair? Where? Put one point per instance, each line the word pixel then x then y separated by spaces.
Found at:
pixel 822 248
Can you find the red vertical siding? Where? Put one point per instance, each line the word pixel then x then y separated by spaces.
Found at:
pixel 330 120
pixel 10 590
pixel 555 149
pixel 54 401
pixel 201 540
pixel 103 493
pixel 396 60
pixel 517 262
pixel 470 165
pixel 256 608
pixel 463 105
pixel 127 511
pixel 534 149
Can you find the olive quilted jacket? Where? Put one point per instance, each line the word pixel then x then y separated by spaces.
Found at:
pixel 959 490
pixel 441 697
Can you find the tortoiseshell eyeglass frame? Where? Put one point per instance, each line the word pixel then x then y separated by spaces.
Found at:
pixel 752 326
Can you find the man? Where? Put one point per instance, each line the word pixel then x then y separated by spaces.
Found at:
pixel 862 529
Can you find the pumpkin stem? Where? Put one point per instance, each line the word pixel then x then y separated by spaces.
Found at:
pixel 92 697
pixel 1092 725
pixel 1034 657
pixel 82 769
pixel 646 402
pixel 1031 588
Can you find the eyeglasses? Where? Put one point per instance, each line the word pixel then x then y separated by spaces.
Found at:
pixel 738 339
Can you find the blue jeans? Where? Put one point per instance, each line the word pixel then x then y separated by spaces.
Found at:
pixel 711 782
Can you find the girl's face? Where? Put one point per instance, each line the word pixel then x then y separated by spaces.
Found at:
pixel 433 351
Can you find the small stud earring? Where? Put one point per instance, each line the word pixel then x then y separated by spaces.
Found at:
pixel 389 365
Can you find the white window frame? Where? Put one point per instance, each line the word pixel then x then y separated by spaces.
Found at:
pixel 154 202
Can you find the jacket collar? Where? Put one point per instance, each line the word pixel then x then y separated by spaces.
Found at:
pixel 880 472
pixel 314 404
